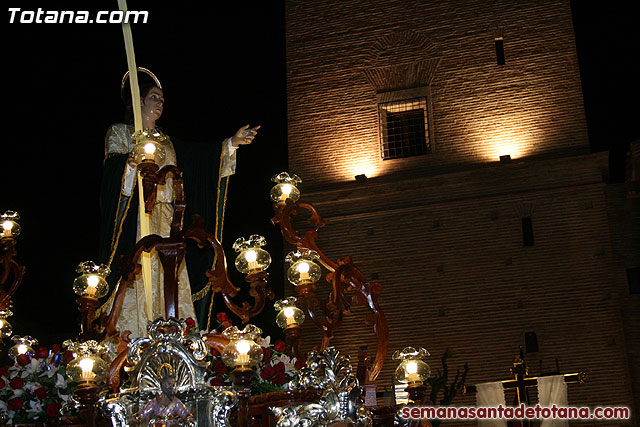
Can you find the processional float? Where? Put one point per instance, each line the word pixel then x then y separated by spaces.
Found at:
pixel 328 390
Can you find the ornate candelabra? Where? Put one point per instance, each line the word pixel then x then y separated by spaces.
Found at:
pixel 343 275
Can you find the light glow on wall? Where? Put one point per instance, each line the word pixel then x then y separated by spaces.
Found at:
pixel 370 169
pixel 511 136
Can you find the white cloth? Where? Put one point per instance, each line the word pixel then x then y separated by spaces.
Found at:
pixel 490 395
pixel 552 390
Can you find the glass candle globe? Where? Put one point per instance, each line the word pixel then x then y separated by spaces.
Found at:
pixel 23 345
pixel 8 225
pixel 148 146
pixel 302 268
pixel 242 352
pixel 91 282
pixel 251 257
pixel 289 314
pixel 5 327
pixel 88 366
pixel 411 370
pixel 286 187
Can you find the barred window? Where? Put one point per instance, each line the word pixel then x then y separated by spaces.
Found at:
pixel 404 123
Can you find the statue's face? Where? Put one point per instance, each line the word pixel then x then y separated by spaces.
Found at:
pixel 167 385
pixel 153 104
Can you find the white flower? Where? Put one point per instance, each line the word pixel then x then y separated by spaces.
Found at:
pixel 264 342
pixel 49 372
pixel 31 387
pixel 14 370
pixel 29 369
pixel 60 382
pixel 289 364
pixel 17 393
pixel 10 415
pixel 35 409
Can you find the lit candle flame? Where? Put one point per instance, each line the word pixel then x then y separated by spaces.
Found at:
pixel 86 365
pixel 7 226
pixel 243 348
pixel 92 284
pixel 149 148
pixel 411 372
pixel 251 256
pixel 289 312
pixel 303 269
pixel 286 191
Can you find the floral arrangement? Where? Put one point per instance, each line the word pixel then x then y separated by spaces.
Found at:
pixel 276 371
pixel 35 388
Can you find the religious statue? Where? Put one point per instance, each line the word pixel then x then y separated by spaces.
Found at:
pixel 165 409
pixel 205 168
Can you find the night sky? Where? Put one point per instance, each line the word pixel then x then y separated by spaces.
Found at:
pixel 222 68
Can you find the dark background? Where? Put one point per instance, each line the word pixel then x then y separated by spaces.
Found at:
pixel 222 67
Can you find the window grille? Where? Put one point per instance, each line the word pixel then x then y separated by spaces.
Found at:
pixel 404 128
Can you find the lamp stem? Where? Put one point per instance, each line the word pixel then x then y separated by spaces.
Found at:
pixel 241 380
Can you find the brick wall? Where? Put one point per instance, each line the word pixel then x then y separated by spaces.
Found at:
pixel 340 53
pixel 456 274
pixel 442 232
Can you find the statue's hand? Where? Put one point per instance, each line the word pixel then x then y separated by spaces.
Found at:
pixel 131 161
pixel 244 135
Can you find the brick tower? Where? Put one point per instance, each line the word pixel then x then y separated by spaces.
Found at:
pixel 474 249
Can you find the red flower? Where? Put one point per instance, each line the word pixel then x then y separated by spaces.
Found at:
pixel 15 404
pixel 266 354
pixel 17 383
pixel 42 353
pixel 190 323
pixel 67 357
pixel 222 316
pixel 215 381
pixel 55 348
pixel 219 367
pixel 53 409
pixel 2 384
pixel 279 368
pixel 266 372
pixel 23 360
pixel 275 374
pixel 4 371
pixel 300 363
pixel 41 393
pixel 280 346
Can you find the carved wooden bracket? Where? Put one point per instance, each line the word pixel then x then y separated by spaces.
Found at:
pixel 345 278
pixel 11 273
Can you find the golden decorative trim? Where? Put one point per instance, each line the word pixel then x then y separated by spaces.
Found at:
pixel 201 293
pixel 210 312
pixel 221 222
pixel 165 365
pixel 109 302
pixel 144 70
